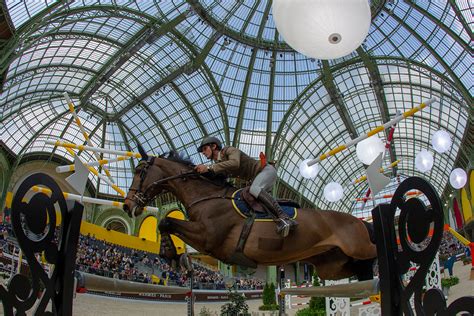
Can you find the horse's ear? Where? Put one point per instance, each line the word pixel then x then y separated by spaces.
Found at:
pixel 142 152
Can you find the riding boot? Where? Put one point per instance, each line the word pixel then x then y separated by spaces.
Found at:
pixel 284 222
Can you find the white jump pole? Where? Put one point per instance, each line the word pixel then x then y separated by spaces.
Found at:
pixel 86 199
pixel 68 168
pixel 105 179
pixel 374 131
pixel 84 133
pixel 93 149
pixel 363 178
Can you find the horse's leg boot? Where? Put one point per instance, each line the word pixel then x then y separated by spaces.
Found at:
pixel 284 222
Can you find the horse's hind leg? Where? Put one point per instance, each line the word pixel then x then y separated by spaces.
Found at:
pixel 331 265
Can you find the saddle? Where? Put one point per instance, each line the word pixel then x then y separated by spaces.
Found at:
pixel 245 203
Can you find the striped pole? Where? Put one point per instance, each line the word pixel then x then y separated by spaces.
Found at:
pixel 374 131
pixel 84 133
pixel 113 185
pixel 86 199
pixel 387 196
pixel 93 149
pixel 68 168
pixel 363 178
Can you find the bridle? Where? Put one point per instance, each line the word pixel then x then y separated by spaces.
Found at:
pixel 142 198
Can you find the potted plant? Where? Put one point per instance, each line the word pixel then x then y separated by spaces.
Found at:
pixel 466 260
pixel 446 283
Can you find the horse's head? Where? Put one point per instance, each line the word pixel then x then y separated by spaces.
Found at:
pixel 145 184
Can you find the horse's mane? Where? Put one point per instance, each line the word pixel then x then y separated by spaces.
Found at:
pixel 180 157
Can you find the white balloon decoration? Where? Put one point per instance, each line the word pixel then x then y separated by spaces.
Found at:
pixel 424 161
pixel 309 172
pixel 458 178
pixel 441 141
pixel 322 29
pixel 333 192
pixel 368 149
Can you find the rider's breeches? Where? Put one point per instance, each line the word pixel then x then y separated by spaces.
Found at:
pixel 264 180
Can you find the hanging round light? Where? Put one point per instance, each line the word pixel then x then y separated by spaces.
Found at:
pixel 323 29
pixel 424 161
pixel 333 192
pixel 368 149
pixel 458 178
pixel 441 141
pixel 309 172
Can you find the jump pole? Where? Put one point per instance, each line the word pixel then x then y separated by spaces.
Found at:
pixel 363 178
pixel 374 131
pixel 360 289
pixel 95 172
pixel 93 149
pixel 86 199
pixel 84 133
pixel 101 162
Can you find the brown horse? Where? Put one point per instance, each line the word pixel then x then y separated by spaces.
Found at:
pixel 337 243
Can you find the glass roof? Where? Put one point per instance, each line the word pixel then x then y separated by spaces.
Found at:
pixel 167 73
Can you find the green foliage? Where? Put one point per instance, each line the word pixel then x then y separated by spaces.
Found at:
pixel 206 312
pixel 310 312
pixel 269 299
pixel 236 305
pixel 448 282
pixel 272 307
pixel 317 305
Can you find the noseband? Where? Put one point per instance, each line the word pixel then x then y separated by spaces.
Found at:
pixel 143 198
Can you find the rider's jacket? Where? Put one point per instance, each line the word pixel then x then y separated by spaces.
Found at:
pixel 235 163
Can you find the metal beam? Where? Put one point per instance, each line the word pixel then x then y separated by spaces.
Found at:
pixel 271 90
pixel 440 24
pixel 243 101
pixel 257 42
pixel 8 52
pixel 337 98
pixel 190 108
pixel 147 34
pixel 187 69
pixel 461 18
pixel 449 71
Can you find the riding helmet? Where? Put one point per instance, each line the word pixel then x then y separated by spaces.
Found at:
pixel 210 140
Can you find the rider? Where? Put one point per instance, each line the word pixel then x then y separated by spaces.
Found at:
pixel 233 162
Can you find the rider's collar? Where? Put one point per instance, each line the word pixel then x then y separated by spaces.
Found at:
pixel 219 156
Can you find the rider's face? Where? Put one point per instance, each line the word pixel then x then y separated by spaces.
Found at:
pixel 207 151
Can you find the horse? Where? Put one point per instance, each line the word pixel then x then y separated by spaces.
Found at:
pixel 336 243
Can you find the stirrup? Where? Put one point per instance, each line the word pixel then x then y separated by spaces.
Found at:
pixel 283 227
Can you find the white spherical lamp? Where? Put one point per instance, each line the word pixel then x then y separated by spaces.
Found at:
pixel 323 29
pixel 309 172
pixel 333 192
pixel 441 141
pixel 458 178
pixel 368 149
pixel 424 161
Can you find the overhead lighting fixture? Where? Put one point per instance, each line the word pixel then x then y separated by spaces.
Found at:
pixel 323 29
